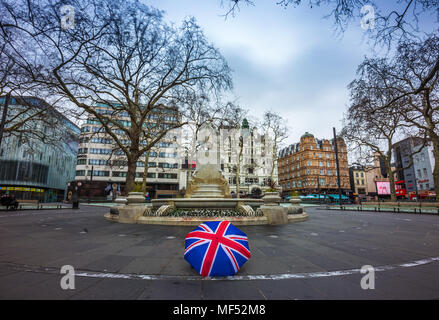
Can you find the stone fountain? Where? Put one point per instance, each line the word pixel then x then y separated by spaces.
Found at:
pixel 207 198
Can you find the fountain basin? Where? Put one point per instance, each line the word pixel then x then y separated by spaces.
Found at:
pixel 195 221
pixel 208 203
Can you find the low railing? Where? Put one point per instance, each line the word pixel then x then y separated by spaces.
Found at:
pixel 379 207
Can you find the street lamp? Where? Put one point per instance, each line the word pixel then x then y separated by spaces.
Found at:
pixel 338 167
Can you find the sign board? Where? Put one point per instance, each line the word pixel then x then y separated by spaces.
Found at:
pixel 22 189
pixel 383 187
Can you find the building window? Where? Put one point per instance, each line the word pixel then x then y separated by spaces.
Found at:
pixel 425 172
pixel 98 173
pixel 99 162
pixel 167 176
pixel 80 173
pixel 119 174
pixel 100 151
pixel 168 165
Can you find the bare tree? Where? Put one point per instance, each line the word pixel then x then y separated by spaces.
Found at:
pixel 276 132
pixel 369 128
pixel 408 71
pixel 122 55
pixel 387 24
pixel 24 112
pixel 392 22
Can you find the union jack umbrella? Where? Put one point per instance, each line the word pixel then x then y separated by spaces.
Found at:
pixel 217 248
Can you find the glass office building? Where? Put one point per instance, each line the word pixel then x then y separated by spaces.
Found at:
pixel 31 168
pixel 101 163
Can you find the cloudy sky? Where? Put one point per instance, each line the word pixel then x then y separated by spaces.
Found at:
pixel 288 60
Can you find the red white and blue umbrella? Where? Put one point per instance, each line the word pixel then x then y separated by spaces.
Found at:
pixel 217 248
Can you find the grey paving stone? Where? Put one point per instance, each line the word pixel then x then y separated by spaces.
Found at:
pixel 312 246
pixel 170 290
pixel 230 290
pixel 110 263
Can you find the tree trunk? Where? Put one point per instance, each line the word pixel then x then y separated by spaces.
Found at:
pixel 238 166
pixel 436 166
pixel 131 175
pixel 273 164
pixel 145 172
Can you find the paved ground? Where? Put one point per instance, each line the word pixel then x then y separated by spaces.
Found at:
pixel 316 259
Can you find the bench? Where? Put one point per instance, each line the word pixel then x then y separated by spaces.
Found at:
pixel 24 202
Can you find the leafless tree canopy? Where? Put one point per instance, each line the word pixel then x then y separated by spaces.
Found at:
pixel 412 88
pixel 396 97
pixel 393 21
pixel 275 127
pixel 121 54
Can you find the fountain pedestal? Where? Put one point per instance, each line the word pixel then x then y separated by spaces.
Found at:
pixel 208 182
pixel 134 209
pixel 272 210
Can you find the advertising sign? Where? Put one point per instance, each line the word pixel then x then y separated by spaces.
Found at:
pixel 383 187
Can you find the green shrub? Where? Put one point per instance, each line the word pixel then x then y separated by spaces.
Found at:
pixel 137 187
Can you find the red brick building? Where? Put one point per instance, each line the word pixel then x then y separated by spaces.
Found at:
pixel 310 166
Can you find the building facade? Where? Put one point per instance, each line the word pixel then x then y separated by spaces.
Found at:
pixel 358 180
pixel 364 179
pixel 100 164
pixel 36 170
pixel 375 174
pixel 406 171
pixel 256 160
pixel 309 166
pixel 423 166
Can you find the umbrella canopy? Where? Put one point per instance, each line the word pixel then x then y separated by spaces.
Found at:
pixel 217 248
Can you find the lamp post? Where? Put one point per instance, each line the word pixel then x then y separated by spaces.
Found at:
pixel 338 167
pixel 75 197
pixel 91 183
pixel 318 186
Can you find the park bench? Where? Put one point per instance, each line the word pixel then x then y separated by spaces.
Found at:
pixel 25 202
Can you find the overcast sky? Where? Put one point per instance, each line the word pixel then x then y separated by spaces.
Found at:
pixel 288 60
